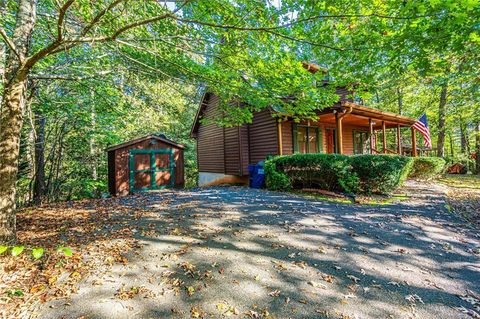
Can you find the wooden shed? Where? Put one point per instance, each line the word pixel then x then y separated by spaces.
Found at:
pixel 145 163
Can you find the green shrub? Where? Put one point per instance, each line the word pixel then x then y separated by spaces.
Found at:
pixel 380 173
pixel 352 174
pixel 427 167
pixel 326 171
pixel 274 179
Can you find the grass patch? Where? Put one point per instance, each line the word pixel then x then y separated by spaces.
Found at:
pixel 374 200
pixel 382 200
pixel 464 196
pixel 326 198
pixel 461 181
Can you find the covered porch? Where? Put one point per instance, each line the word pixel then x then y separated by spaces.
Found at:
pixel 375 124
pixel 349 128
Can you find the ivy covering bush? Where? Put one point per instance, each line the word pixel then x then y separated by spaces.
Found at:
pixel 427 167
pixel 351 174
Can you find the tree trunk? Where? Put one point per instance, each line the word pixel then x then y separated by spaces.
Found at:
pixel 93 121
pixel 3 54
pixel 39 183
pixel 452 153
pixel 441 120
pixel 477 147
pixel 2 72
pixel 10 128
pixel 11 117
pixel 463 138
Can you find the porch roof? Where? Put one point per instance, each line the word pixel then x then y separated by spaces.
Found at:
pixel 360 115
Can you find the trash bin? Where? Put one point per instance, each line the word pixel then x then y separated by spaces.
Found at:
pixel 257 175
pixel 251 172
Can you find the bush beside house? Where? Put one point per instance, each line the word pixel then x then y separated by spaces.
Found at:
pixel 427 167
pixel 333 172
pixel 380 173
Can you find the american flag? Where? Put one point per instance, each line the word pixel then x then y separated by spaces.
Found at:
pixel 422 126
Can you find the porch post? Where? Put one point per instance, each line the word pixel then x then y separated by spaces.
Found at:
pixel 384 138
pixel 280 140
pixel 414 143
pixel 339 135
pixel 370 124
pixel 399 140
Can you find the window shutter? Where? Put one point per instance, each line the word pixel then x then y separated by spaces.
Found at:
pixel 295 136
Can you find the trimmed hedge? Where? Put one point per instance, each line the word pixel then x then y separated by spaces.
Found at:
pixel 351 174
pixel 427 167
pixel 381 173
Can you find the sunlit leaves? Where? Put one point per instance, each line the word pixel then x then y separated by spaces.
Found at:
pixel 3 249
pixel 65 251
pixel 37 253
pixel 17 250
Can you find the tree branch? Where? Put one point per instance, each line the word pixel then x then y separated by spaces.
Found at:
pixel 298 21
pixel 99 16
pixel 64 44
pixel 144 22
pixel 9 43
pixel 67 77
pixel 61 18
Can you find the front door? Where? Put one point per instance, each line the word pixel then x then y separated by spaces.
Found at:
pixel 330 140
pixel 151 169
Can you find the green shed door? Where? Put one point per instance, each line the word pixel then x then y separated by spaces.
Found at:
pixel 151 169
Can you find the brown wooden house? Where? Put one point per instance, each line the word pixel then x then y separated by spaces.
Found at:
pixel 345 128
pixel 146 163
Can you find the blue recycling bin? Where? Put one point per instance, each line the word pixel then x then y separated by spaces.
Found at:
pixel 257 175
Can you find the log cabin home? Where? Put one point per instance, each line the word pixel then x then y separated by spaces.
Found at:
pixel 347 127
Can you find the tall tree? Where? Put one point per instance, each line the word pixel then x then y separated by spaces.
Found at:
pixel 11 117
pixel 442 113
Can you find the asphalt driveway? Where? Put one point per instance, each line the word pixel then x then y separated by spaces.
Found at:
pixel 243 253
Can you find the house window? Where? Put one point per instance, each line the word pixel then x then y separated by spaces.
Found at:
pixel 361 142
pixel 307 139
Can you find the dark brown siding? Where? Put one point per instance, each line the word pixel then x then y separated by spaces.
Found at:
pixel 122 173
pixel 244 149
pixel 287 138
pixel 210 141
pixel 232 151
pixel 263 136
pixel 344 94
pixel 111 172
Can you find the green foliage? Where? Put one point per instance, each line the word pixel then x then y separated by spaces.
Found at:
pixel 398 52
pixel 17 250
pixel 427 167
pixel 327 171
pixel 351 174
pixel 15 293
pixel 65 251
pixel 380 173
pixel 37 253
pixel 274 179
pixel 3 249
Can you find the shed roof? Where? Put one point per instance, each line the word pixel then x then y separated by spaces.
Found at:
pixel 158 137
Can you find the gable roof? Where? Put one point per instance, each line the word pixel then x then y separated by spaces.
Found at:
pixel 158 137
pixel 201 108
pixel 310 67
